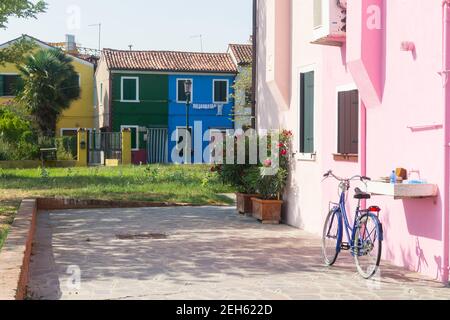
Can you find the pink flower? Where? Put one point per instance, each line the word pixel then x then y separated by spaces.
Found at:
pixel 268 163
pixel 283 152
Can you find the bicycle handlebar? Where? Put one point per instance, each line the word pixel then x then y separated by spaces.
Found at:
pixel 330 173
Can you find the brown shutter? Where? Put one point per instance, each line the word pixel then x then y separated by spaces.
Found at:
pixel 354 122
pixel 348 122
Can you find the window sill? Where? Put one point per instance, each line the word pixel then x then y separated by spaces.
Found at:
pixel 345 157
pixel 130 101
pixel 306 157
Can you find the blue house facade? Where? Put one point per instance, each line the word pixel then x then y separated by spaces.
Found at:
pixel 211 108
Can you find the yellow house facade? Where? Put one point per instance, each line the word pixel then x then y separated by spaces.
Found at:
pixel 81 112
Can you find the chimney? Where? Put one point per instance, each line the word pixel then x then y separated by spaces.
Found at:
pixel 71 46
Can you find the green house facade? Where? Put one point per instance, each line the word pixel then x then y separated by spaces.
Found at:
pixel 139 99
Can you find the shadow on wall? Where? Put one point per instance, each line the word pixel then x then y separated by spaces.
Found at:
pixel 265 102
pixel 290 203
pixel 424 217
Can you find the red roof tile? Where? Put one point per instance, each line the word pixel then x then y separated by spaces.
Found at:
pixel 170 61
pixel 243 53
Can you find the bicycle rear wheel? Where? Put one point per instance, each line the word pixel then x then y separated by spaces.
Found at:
pixel 368 245
pixel 332 237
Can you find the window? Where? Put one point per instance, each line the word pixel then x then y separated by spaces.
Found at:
pixel 348 122
pixel 69 132
pixel 307 112
pixel 134 136
pixel 8 85
pixel 101 95
pixel 220 91
pixel 317 14
pixel 130 89
pixel 181 94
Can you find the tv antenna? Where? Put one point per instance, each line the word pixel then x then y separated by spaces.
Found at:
pixel 99 26
pixel 199 36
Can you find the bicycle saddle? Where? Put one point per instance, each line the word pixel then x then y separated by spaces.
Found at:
pixel 360 195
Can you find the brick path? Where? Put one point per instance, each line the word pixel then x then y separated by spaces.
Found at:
pixel 210 253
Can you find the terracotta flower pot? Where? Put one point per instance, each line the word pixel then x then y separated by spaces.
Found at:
pixel 244 203
pixel 267 211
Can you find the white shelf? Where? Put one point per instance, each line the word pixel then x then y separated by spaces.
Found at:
pixel 402 191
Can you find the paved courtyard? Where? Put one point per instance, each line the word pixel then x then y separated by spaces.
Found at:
pixel 196 253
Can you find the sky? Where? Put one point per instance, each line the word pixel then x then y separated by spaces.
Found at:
pixel 145 24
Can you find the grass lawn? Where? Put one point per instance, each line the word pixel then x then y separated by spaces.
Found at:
pixel 187 184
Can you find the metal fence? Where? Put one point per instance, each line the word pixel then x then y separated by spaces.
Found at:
pixel 104 145
pixel 157 145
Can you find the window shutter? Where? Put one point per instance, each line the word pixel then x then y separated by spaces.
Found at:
pixel 348 122
pixel 307 120
pixel 354 122
pixel 2 92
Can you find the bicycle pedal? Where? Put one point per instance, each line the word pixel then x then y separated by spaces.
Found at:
pixel 345 246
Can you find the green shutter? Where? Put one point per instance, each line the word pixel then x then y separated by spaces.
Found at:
pixel 307 113
pixel 129 89
pixel 2 93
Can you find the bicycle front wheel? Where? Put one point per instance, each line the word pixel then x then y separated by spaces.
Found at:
pixel 332 237
pixel 368 245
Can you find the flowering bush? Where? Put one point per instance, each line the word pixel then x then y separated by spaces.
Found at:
pixel 266 177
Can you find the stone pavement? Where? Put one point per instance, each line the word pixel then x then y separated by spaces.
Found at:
pixel 209 253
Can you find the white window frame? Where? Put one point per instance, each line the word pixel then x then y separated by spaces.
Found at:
pixel 345 88
pixel 192 91
pixel 214 91
pixel 137 134
pixel 300 155
pixel 137 89
pixel 8 74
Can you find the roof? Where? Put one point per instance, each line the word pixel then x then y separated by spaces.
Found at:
pixel 44 45
pixel 169 61
pixel 243 53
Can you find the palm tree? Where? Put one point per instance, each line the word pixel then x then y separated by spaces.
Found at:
pixel 49 85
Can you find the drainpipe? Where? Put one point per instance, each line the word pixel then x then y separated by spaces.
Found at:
pixel 363 151
pixel 446 91
pixel 254 61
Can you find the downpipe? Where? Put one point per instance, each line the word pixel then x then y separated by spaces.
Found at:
pixel 446 94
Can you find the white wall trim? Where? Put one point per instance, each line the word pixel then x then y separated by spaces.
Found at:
pixel 137 89
pixel 216 74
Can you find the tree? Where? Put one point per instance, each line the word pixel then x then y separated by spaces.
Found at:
pixel 50 84
pixel 19 9
pixel 16 52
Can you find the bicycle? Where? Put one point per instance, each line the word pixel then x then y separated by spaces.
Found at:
pixel 364 238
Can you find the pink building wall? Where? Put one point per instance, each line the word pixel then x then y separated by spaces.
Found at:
pixel 403 95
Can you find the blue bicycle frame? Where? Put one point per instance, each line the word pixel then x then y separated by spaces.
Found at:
pixel 341 212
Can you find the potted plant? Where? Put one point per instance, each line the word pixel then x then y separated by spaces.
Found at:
pixel 236 176
pixel 270 182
